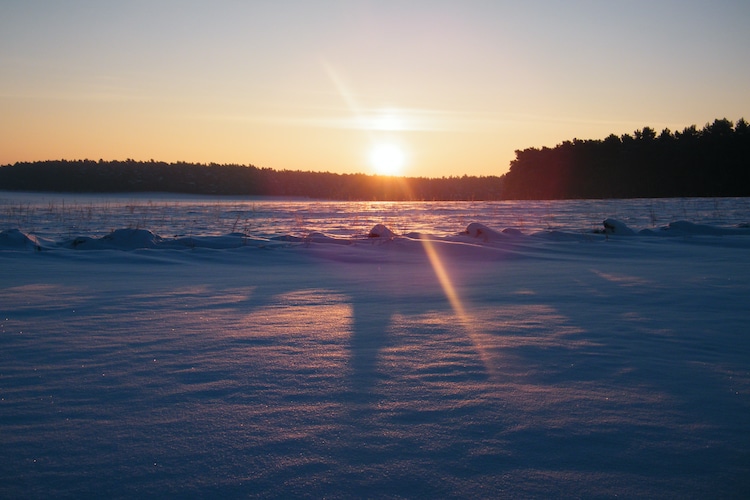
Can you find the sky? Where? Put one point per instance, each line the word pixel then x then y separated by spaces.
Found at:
pixel 410 87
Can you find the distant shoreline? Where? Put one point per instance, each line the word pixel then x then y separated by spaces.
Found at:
pixel 130 176
pixel 707 163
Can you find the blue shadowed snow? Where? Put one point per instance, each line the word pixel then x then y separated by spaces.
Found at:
pixel 487 361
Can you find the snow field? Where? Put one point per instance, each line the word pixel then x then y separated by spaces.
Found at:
pixel 566 365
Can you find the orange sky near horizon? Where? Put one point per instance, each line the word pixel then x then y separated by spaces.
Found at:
pixel 446 87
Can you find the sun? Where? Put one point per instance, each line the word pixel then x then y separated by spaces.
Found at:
pixel 387 159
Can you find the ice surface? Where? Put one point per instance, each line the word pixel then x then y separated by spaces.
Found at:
pixel 481 362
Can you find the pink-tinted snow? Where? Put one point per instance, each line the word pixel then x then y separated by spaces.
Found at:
pixel 486 363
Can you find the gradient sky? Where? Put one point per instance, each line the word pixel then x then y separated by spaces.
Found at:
pixel 316 84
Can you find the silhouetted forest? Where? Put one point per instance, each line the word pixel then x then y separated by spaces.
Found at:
pixel 714 161
pixel 151 176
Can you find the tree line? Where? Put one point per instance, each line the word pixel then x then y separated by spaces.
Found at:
pixel 713 161
pixel 215 179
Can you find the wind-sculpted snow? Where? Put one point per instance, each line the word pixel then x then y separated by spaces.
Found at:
pixel 399 360
pixel 15 239
pixel 677 228
pixel 475 234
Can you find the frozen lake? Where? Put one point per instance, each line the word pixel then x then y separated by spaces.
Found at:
pixel 190 347
pixel 57 215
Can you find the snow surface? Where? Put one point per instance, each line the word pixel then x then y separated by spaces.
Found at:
pixel 488 363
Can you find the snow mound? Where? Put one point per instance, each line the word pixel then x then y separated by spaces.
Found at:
pixel 614 226
pixel 119 239
pixel 132 238
pixel 686 229
pixel 510 231
pixel 381 231
pixel 480 231
pixel 135 239
pixel 477 237
pixel 485 233
pixel 15 239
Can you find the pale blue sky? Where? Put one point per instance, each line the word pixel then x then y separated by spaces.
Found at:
pixel 314 85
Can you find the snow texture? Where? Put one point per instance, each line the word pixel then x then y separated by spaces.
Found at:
pixel 486 363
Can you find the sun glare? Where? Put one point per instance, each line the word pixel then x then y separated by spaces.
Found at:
pixel 387 121
pixel 387 159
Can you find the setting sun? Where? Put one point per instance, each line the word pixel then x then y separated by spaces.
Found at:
pixel 387 159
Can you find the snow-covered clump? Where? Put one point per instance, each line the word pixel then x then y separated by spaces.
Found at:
pixel 511 231
pixel 15 239
pixel 381 231
pixel 477 230
pixel 614 226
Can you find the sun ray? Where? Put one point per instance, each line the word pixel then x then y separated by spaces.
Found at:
pixel 385 156
pixel 457 304
pixel 342 90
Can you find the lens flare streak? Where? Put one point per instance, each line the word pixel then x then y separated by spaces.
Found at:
pixel 456 303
